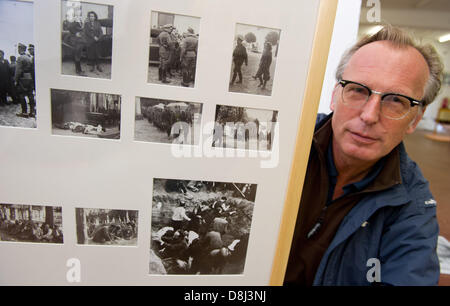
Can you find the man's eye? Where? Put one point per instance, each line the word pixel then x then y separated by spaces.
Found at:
pixel 395 99
pixel 358 90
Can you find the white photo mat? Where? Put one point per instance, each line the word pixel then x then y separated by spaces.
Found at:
pixel 38 168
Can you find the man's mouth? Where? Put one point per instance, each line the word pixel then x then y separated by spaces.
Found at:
pixel 363 138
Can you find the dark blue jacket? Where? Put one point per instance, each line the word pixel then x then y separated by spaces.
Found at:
pixel 397 226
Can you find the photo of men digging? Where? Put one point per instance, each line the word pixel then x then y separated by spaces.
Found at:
pixel 107 226
pixel 200 227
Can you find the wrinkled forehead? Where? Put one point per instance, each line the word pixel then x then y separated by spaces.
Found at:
pixel 381 62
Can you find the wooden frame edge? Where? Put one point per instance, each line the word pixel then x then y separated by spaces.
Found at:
pixel 311 99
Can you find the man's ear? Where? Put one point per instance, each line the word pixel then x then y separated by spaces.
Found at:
pixel 412 126
pixel 334 97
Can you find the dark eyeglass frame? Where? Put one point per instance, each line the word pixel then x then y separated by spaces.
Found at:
pixel 413 102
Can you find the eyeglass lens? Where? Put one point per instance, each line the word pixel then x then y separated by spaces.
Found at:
pixel 392 106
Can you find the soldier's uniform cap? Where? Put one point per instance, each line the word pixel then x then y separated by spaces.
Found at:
pixel 21 46
pixel 240 37
pixel 190 30
pixel 30 46
pixel 167 26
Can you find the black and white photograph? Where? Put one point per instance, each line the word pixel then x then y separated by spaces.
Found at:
pixel 17 73
pixel 173 49
pixel 167 121
pixel 200 227
pixel 113 227
pixel 31 223
pixel 86 39
pixel 85 114
pixel 255 51
pixel 244 128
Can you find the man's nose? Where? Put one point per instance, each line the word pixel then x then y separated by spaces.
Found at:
pixel 371 110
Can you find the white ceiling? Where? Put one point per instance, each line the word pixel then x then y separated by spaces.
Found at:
pixel 427 20
pixel 432 5
pixel 427 14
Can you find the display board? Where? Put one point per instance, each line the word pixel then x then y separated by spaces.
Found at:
pixel 151 142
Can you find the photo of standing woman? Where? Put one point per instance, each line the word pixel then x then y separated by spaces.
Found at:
pixel 86 39
pixel 255 52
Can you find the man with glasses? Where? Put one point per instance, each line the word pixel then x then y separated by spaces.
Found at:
pixel 366 214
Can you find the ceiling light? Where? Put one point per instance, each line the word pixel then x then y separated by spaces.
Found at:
pixel 444 38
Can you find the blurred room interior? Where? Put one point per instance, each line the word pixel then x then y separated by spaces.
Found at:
pixel 429 145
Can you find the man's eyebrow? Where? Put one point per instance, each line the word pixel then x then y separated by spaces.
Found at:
pixel 397 91
pixel 409 95
pixel 391 90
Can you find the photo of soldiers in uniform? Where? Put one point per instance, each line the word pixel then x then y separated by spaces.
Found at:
pixel 244 128
pixel 85 114
pixel 173 49
pixel 31 223
pixel 167 121
pixel 17 65
pixel 106 226
pixel 86 39
pixel 255 51
pixel 200 227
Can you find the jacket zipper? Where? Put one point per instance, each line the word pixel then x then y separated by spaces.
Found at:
pixel 318 224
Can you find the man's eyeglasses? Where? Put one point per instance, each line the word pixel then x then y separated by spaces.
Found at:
pixel 393 105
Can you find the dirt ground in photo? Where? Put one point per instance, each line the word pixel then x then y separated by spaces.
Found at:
pixel 116 242
pixel 68 68
pixel 115 132
pixel 8 117
pixel 146 131
pixel 175 79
